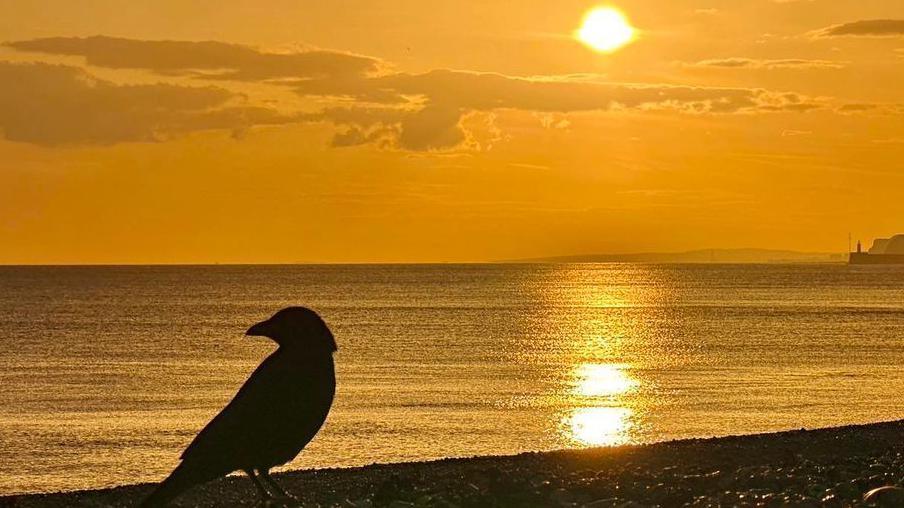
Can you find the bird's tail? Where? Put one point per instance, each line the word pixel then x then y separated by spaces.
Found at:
pixel 176 483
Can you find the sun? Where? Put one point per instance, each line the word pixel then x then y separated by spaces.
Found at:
pixel 605 29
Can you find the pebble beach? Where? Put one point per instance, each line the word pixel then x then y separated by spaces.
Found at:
pixel 860 465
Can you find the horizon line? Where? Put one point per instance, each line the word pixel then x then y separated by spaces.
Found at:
pixel 548 259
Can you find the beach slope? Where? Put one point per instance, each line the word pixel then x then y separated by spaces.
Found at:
pixel 825 467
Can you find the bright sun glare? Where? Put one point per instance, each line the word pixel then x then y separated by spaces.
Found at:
pixel 597 380
pixel 605 29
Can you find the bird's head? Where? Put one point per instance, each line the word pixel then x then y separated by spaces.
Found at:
pixel 296 327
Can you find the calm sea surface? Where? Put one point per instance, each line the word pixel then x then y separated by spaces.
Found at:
pixel 106 373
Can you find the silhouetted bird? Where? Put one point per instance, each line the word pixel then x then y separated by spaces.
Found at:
pixel 275 414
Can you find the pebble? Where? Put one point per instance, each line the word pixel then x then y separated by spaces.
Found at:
pixel 888 495
pixel 602 503
pixel 400 504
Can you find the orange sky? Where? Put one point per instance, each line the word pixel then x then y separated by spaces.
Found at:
pixel 414 131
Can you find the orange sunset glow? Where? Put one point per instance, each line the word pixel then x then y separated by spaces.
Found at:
pixel 451 253
pixel 445 131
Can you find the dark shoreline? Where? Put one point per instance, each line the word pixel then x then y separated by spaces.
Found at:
pixel 825 467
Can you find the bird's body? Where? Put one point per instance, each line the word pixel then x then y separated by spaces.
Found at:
pixel 275 414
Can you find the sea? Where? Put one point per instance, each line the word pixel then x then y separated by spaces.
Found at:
pixel 108 372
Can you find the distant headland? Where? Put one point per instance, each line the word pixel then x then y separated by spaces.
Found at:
pixel 750 256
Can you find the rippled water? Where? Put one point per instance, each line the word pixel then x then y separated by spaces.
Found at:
pixel 108 372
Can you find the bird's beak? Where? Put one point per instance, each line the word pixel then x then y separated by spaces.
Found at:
pixel 258 330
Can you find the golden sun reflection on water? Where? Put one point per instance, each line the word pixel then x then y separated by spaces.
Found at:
pixel 596 380
pixel 604 336
pixel 602 418
pixel 600 426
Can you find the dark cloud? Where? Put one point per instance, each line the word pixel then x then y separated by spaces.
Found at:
pixel 485 91
pixel 866 28
pixel 352 136
pixel 438 101
pixel 869 107
pixel 752 63
pixel 384 136
pixel 433 128
pixel 857 108
pixel 56 105
pixel 217 60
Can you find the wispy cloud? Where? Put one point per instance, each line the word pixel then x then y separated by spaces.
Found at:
pixel 865 28
pixel 791 133
pixel 753 63
pixel 869 107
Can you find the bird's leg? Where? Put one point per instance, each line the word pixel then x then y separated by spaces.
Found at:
pixel 257 483
pixel 269 479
